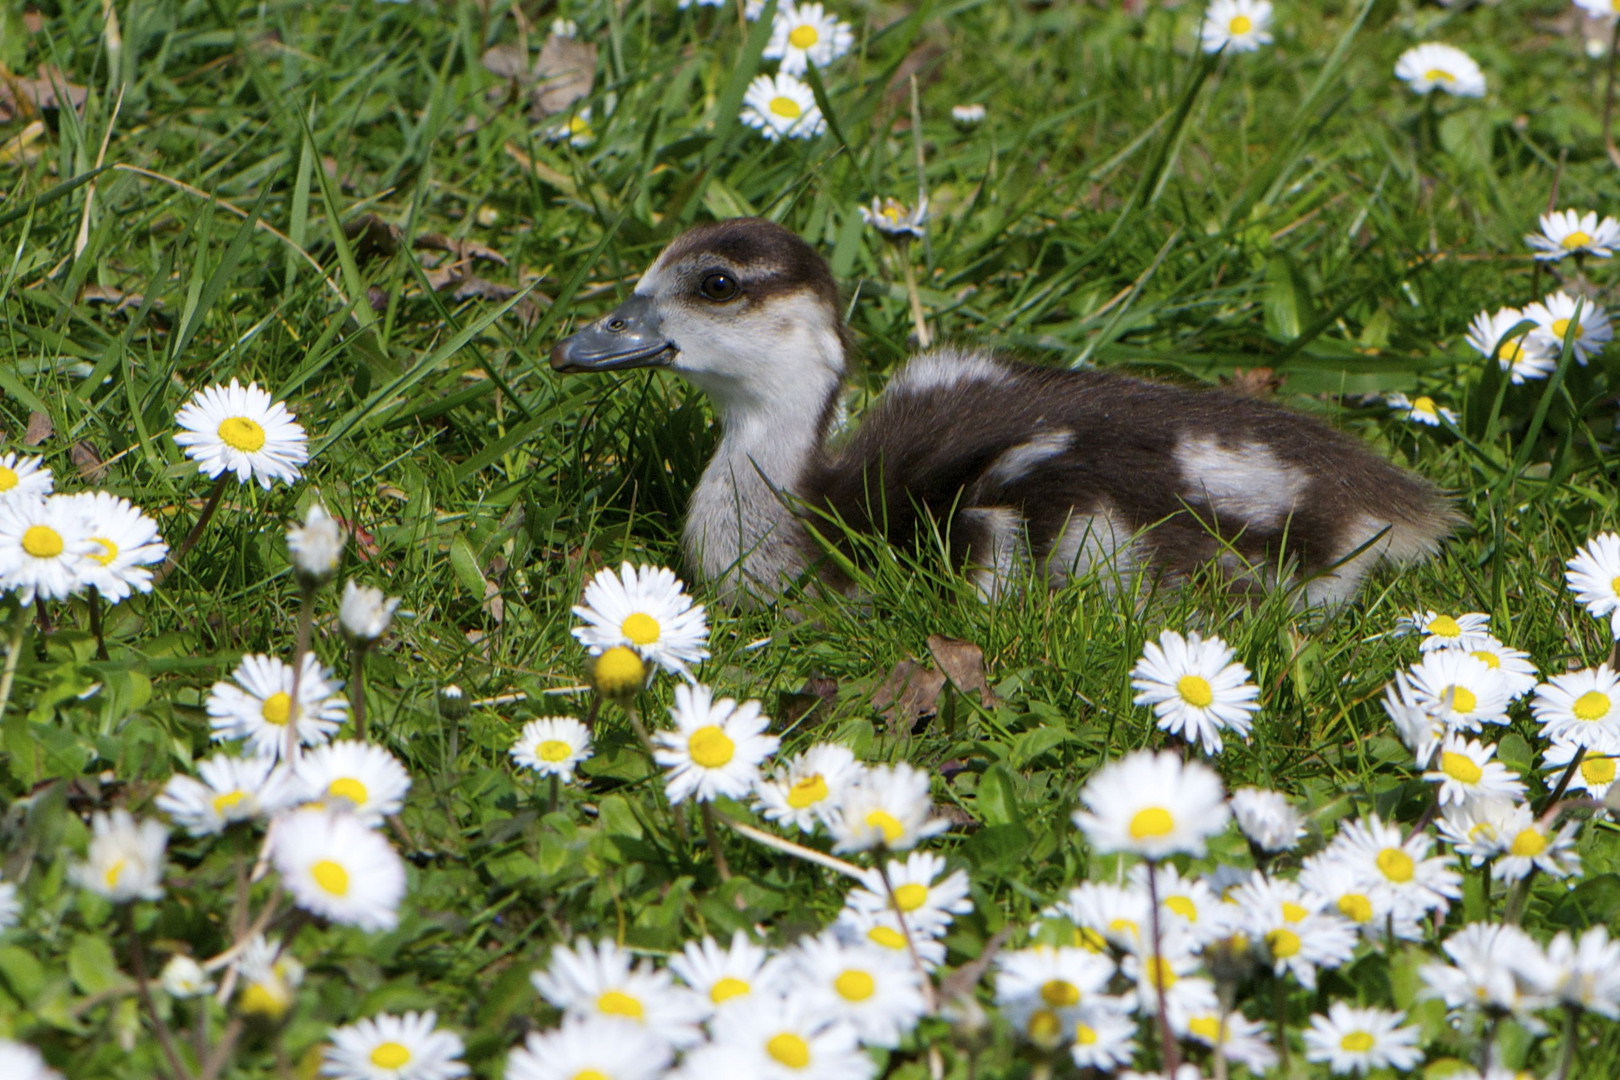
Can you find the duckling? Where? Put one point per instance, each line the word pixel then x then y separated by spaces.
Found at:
pixel 1030 472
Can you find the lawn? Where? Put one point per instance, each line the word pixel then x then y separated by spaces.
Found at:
pixel 384 215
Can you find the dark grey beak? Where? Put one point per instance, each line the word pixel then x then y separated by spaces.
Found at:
pixel 628 337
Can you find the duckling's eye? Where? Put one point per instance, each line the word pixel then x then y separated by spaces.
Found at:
pixel 719 286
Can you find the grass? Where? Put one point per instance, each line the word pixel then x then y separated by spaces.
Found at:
pixel 1128 203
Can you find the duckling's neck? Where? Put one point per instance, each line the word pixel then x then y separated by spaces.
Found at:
pixel 742 530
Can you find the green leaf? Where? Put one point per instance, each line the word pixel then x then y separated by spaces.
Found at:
pixel 22 972
pixel 92 966
pixel 997 801
pixel 464 564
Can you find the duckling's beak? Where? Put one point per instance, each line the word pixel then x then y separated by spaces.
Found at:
pixel 630 336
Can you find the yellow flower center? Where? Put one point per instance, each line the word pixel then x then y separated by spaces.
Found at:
pixel 1183 906
pixel 619 671
pixel 553 750
pixel 807 792
pixel 1240 25
pixel 886 937
pixel 1292 912
pixel 1396 865
pixel 579 126
pixel 619 1003
pixel 640 629
pixel 1060 993
pixel 590 1074
pixel 854 985
pixel 390 1055
pixel 1529 843
pixel 1195 691
pixel 1283 943
pixel 1436 75
pixel 42 542
pixel 1462 699
pixel 785 107
pixel 1614 585
pixel 1356 1042
pixel 1426 406
pixel 727 988
pixel 227 801
pixel 277 708
pixel 1044 1026
pixel 8 478
pixel 1085 1034
pixel 260 999
pixel 1460 767
pixel 1152 822
pixel 1444 625
pixel 1576 239
pixel 1591 706
pixel 1088 939
pixel 885 822
pixel 240 433
pixel 1125 926
pixel 803 36
pixel 1207 1028
pixel 109 550
pixel 348 787
pixel 1511 352
pixel 1597 770
pixel 114 872
pixel 789 1049
pixel 1160 974
pixel 1486 657
pixel 710 747
pixel 331 877
pixel 1561 329
pixel 1355 907
pixel 910 896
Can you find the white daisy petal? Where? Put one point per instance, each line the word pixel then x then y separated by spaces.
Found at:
pixel 1432 65
pixel 242 430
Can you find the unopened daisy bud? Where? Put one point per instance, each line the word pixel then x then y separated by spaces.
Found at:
pixel 619 673
pixel 269 978
pixel 365 612
pixel 316 547
pixel 125 861
pixel 453 704
pixel 183 977
pixel 968 115
pixel 1267 819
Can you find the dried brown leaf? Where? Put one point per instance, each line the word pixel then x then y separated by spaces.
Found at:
pixel 21 96
pixel 372 238
pixel 88 462
pixel 563 73
pixel 817 691
pixel 908 694
pixel 963 663
pixel 960 983
pixel 508 60
pixel 40 428
pixel 1260 382
pixel 461 249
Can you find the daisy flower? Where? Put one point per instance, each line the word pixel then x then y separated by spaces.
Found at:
pixel 1041 989
pixel 893 218
pixel 1579 707
pixel 268 976
pixel 552 746
pixel 786 1038
pixel 1465 772
pixel 1152 805
pixel 1420 410
pixel 886 806
pixel 1103 1038
pixel 970 115
pixel 228 790
pixel 1333 881
pixel 1299 936
pixel 806 789
pixel 1402 871
pixel 387 1047
pixel 1556 318
pixel 1494 965
pixel 1102 912
pixel 258 705
pixel 804 34
pixel 1593 575
pixel 43 543
pixel 927 897
pixel 885 930
pixel 1195 688
pixel 365 612
pixel 782 107
pixel 1598 9
pixel 1519 356
pixel 724 976
pixel 1569 232
pixel 123 543
pixel 597 980
pixel 183 977
pixel 647 609
pixel 23 478
pixel 1419 728
pixel 125 860
pixel 1174 971
pixel 576 130
pixel 1478 831
pixel 357 777
pixel 596 1047
pixel 1515 666
pixel 1236 26
pixel 1442 631
pixel 1267 818
pixel 1586 973
pixel 337 868
pixel 619 673
pixel 19 1061
pixel 1352 1040
pixel 1531 844
pixel 716 747
pixel 1459 690
pixel 1430 65
pixel 316 546
pixel 1595 774
pixel 1186 904
pixel 876 991
pixel 245 431
pixel 1241 1040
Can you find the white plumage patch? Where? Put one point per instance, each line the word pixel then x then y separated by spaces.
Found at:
pixel 1015 463
pixel 994 571
pixel 1247 483
pixel 1097 541
pixel 946 368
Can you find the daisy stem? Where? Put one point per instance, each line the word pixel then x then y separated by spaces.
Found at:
pixel 905 932
pixel 1485 886
pixel 1608 98
pixel 19 625
pixel 95 623
pixel 306 623
pixel 551 798
pixel 196 532
pixel 1566 1049
pixel 1564 781
pixel 137 958
pixel 713 839
pixel 357 689
pixel 788 847
pixel 918 321
pixel 1171 1060
pixel 675 809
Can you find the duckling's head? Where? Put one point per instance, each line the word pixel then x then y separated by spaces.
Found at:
pixel 743 308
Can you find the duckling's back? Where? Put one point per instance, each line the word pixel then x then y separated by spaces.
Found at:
pixel 1032 470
